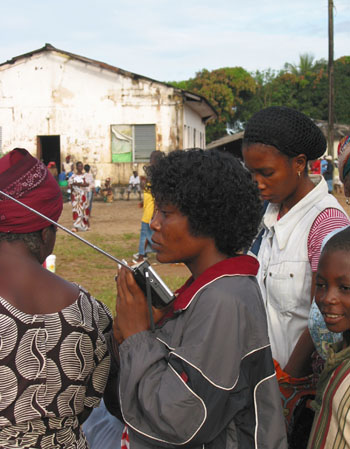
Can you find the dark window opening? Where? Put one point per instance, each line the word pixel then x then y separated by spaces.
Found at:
pixel 49 150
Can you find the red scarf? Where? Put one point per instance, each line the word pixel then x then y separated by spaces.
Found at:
pixel 27 179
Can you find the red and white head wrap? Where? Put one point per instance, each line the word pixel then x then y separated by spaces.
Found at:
pixel 27 179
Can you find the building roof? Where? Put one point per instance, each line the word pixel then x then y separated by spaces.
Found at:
pixel 196 102
pixel 231 143
pixel 340 130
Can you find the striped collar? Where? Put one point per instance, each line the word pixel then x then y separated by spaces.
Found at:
pixel 234 266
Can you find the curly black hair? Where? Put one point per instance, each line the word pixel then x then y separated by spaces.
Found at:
pixel 32 240
pixel 214 191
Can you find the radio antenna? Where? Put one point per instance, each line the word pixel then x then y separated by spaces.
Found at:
pixel 67 230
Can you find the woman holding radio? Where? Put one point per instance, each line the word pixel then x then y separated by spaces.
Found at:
pixel 205 377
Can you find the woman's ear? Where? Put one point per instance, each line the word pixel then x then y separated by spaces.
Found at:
pixel 48 238
pixel 300 162
pixel 45 235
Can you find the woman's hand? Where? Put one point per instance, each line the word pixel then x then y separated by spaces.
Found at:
pixel 132 309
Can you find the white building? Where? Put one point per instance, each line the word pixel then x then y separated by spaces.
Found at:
pixel 55 103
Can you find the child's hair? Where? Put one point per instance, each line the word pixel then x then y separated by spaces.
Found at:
pixel 339 241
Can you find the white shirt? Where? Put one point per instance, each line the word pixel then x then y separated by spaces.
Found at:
pixel 134 180
pixel 90 179
pixel 285 273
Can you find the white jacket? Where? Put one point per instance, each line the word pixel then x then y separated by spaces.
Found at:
pixel 285 274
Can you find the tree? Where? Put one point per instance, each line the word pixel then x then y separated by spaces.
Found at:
pixel 237 95
pixel 309 92
pixel 264 88
pixel 306 65
pixel 342 89
pixel 227 89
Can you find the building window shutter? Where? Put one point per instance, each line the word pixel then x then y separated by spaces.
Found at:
pixel 145 142
pixel 132 143
pixel 122 143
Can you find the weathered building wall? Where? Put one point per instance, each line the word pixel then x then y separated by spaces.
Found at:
pixel 194 129
pixel 51 94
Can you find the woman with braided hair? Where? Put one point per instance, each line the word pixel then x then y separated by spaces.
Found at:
pixel 278 143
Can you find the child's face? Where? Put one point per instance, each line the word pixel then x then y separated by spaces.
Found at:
pixel 333 289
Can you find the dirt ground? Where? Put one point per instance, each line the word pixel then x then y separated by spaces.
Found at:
pixel 109 218
pixel 342 201
pixel 123 216
pixel 118 218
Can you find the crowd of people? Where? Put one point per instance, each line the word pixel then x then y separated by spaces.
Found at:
pixel 80 184
pixel 253 352
pixel 328 169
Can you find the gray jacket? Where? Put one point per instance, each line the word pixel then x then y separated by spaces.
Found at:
pixel 205 379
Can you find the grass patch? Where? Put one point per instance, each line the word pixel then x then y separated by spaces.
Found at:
pixel 174 282
pixel 79 263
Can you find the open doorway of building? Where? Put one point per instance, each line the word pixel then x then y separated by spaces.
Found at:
pixel 49 150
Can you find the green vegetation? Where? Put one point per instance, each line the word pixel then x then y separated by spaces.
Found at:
pixel 237 94
pixel 79 263
pixel 227 89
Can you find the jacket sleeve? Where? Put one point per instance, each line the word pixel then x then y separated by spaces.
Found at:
pixel 187 395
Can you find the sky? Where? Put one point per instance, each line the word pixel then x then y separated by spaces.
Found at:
pixel 171 40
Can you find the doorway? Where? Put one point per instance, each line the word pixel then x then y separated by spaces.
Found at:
pixel 49 150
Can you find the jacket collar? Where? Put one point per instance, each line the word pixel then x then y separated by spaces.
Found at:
pixel 234 266
pixel 286 225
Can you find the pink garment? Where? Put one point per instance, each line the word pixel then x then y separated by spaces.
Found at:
pixel 326 222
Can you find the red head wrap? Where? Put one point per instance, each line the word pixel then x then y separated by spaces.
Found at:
pixel 27 179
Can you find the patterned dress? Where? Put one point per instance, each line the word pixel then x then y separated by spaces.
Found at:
pixel 80 203
pixel 53 368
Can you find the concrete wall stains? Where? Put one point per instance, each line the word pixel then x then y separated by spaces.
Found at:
pixel 51 94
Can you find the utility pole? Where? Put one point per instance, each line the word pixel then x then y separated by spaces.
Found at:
pixel 330 79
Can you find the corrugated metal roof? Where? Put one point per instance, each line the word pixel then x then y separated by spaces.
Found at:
pixel 225 140
pixel 340 130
